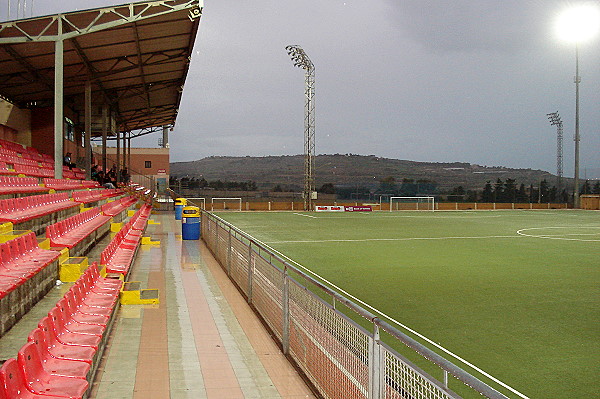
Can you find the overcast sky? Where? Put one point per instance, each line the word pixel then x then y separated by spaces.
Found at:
pixel 424 80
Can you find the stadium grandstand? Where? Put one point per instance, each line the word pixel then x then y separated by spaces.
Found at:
pixel 100 297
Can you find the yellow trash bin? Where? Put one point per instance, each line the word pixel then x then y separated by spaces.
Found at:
pixel 179 204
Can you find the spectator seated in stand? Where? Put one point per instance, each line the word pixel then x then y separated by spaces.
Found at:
pixel 67 161
pixel 125 176
pixel 104 181
pixel 94 172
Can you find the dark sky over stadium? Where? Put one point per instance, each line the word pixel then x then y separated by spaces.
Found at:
pixel 426 80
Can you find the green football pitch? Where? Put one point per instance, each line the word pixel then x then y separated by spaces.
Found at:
pixel 515 293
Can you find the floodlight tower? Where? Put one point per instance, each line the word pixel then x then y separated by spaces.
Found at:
pixel 576 25
pixel 301 60
pixel 555 120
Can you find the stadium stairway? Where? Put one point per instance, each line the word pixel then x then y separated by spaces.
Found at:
pixel 201 341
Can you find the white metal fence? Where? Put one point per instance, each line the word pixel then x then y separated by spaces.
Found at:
pixel 335 342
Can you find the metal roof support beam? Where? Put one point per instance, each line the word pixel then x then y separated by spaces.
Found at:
pixel 88 130
pixel 141 132
pixel 105 18
pixel 90 69
pixel 141 63
pixel 28 67
pixel 58 105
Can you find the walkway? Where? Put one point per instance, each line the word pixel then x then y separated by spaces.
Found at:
pixel 202 341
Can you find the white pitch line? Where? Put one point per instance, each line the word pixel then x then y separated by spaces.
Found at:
pixel 306 216
pixel 521 232
pixel 568 234
pixel 387 239
pixel 384 216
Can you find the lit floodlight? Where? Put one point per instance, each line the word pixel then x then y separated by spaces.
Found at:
pixel 579 23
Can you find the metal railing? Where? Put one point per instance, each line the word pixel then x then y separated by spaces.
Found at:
pixel 336 343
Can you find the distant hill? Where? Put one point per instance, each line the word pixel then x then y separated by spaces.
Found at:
pixel 350 170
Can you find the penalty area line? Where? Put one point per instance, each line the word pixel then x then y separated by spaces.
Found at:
pixel 388 239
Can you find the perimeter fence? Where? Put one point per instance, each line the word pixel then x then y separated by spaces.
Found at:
pixel 343 350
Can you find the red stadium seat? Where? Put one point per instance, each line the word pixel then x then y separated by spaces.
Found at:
pixel 52 365
pixel 67 325
pixel 39 381
pixel 61 350
pixel 65 337
pixel 13 386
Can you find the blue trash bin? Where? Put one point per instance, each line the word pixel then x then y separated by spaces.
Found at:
pixel 179 204
pixel 190 223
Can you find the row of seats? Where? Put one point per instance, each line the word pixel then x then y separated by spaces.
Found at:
pixel 63 184
pixel 90 183
pixel 17 210
pixel 17 160
pixel 71 231
pixel 9 166
pixel 12 148
pixel 5 170
pixel 115 207
pixel 140 218
pixel 85 197
pixel 20 185
pixel 62 353
pixel 119 253
pixel 24 185
pixel 14 153
pixel 33 171
pixel 36 171
pixel 27 273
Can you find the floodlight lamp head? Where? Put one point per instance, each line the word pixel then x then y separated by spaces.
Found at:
pixel 579 23
pixel 554 118
pixel 299 57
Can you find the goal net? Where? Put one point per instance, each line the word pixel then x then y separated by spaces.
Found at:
pixel 412 204
pixel 226 204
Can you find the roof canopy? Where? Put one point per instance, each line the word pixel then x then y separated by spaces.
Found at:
pixel 136 57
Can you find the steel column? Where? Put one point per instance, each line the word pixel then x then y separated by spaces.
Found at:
pixel 129 153
pixel 88 130
pixel 104 134
pixel 577 138
pixel 374 364
pixel 118 167
pixel 58 103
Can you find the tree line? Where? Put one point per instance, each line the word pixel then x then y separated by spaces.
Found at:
pixel 202 183
pixel 508 192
